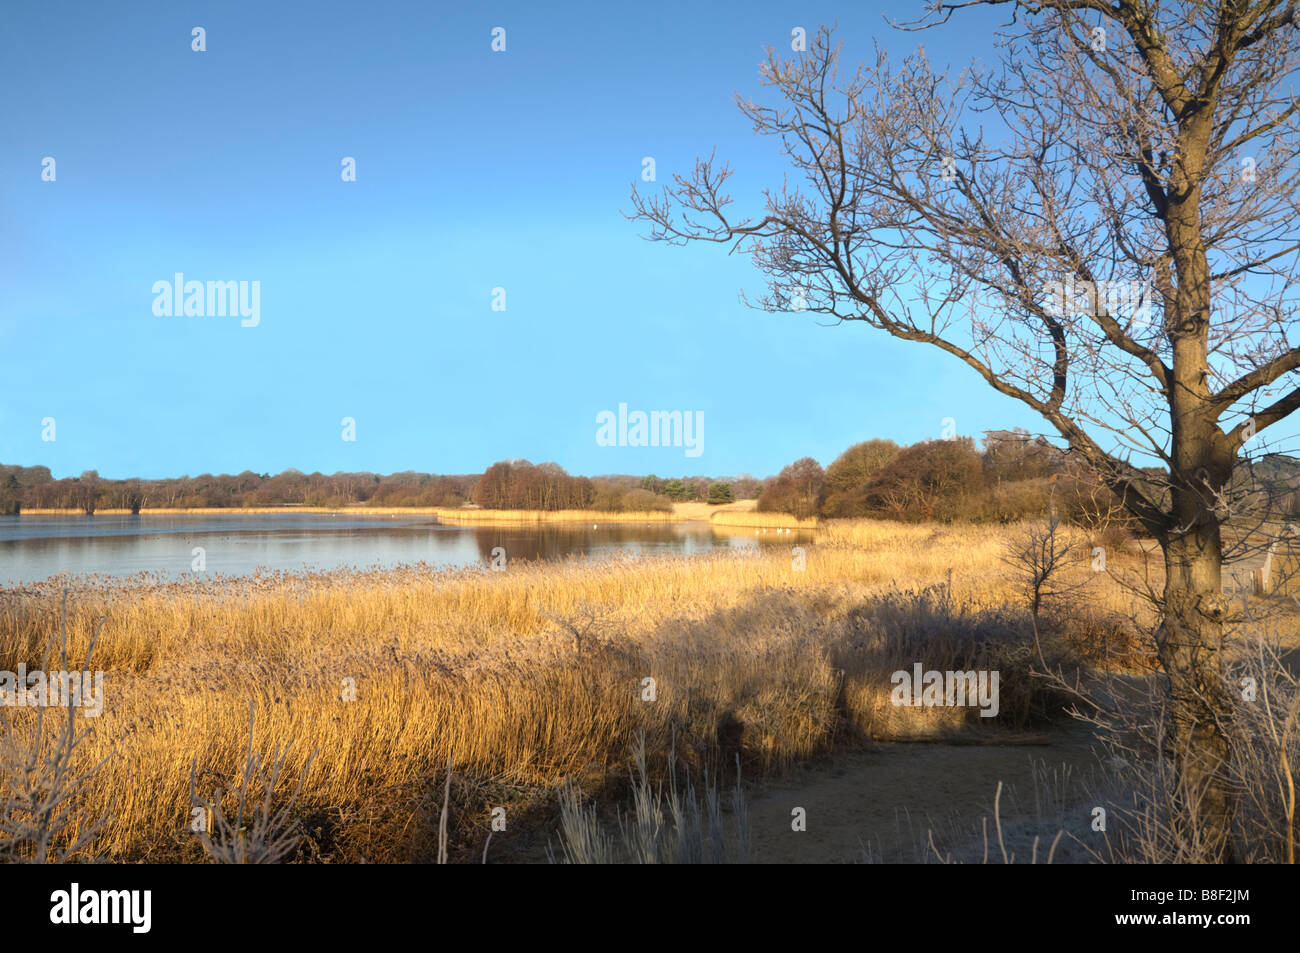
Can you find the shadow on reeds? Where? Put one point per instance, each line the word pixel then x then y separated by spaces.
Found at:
pixel 785 674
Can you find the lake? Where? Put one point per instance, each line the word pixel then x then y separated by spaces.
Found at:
pixel 33 548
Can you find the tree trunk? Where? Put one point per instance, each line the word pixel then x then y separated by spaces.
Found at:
pixel 1191 649
pixel 1191 644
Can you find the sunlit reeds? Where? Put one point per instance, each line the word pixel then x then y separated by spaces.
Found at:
pixel 523 679
pixel 761 520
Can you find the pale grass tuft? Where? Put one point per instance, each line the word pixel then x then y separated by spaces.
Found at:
pixel 46 798
pixel 257 832
pixel 665 825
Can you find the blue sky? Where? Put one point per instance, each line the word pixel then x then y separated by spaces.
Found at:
pixel 475 170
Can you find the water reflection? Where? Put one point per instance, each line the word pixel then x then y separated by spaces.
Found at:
pixel 36 547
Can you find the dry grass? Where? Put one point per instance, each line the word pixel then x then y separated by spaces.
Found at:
pixel 472 516
pixel 243 511
pixel 46 784
pixel 681 512
pixel 672 823
pixel 522 680
pixel 761 520
pixel 467 515
pixel 707 511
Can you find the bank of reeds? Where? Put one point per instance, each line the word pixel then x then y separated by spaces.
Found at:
pixel 461 516
pixel 473 517
pixel 762 520
pixel 522 680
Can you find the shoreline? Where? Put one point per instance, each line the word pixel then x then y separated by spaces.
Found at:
pixel 444 514
pixel 231 510
pixel 732 514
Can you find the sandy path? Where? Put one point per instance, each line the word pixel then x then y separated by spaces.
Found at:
pixel 886 799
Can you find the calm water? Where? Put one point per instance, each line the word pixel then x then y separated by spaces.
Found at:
pixel 33 548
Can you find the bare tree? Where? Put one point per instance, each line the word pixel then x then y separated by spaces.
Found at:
pixel 45 781
pixel 1040 556
pixel 86 492
pixel 258 832
pixel 1013 216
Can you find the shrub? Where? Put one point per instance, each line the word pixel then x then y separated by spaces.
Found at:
pixel 927 481
pixel 1010 502
pixel 795 490
pixel 675 489
pixel 844 490
pixel 613 498
pixel 518 485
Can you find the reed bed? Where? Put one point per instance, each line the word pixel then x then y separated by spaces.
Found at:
pixel 243 511
pixel 762 520
pixel 694 510
pixel 367 684
pixel 467 515
pixel 459 515
pixel 476 517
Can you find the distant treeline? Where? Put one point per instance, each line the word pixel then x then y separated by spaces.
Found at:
pixel 519 485
pixel 1016 476
pixel 34 488
pixel 513 484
